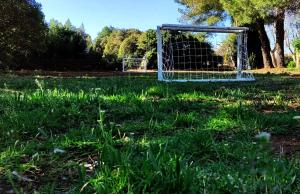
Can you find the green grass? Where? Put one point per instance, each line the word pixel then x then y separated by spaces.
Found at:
pixel 137 135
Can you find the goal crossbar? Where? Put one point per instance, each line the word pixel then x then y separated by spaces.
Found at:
pixel 203 28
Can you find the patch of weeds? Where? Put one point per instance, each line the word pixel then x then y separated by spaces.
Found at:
pixel 147 137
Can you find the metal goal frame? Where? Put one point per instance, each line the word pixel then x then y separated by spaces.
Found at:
pixel 241 74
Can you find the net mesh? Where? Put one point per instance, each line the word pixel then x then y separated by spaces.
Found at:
pixel 204 56
pixel 134 64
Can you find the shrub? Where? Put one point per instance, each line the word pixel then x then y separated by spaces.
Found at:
pixel 252 59
pixel 296 44
pixel 291 65
pixel 287 60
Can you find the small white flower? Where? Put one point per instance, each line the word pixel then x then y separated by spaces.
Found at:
pixel 23 178
pixel 36 155
pixel 296 117
pixel 88 165
pixel 58 151
pixel 263 136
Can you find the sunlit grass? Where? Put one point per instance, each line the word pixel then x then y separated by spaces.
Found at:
pixel 135 135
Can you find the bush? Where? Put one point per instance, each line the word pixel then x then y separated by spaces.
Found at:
pixel 252 59
pixel 296 44
pixel 291 65
pixel 287 60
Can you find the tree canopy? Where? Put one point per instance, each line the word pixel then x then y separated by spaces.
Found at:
pixel 22 31
pixel 199 11
pixel 246 12
pixel 65 41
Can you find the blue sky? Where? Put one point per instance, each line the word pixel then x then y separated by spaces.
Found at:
pixel 95 14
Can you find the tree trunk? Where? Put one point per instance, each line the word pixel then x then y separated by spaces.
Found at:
pixel 298 59
pixel 265 44
pixel 274 58
pixel 279 44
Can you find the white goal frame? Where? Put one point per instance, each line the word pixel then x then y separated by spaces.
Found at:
pixel 140 64
pixel 241 72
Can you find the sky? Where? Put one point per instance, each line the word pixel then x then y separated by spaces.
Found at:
pixel 95 14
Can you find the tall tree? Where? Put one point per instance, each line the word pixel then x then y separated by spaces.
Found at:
pixel 199 11
pixel 22 31
pixel 68 25
pixel 244 12
pixel 292 32
pixel 241 12
pixel 147 44
pixel 65 41
pixel 297 51
pixel 129 46
pixel 102 38
pixel 275 11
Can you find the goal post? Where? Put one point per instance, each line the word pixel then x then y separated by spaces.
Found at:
pixel 202 54
pixel 130 64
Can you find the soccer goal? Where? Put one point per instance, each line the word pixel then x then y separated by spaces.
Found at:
pixel 202 54
pixel 134 64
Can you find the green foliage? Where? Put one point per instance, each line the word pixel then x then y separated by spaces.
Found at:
pixel 227 49
pixel 199 11
pixel 291 65
pixel 114 44
pixel 269 9
pixel 65 41
pixel 296 44
pixel 22 32
pixel 252 60
pixel 129 46
pixel 111 48
pixel 25 39
pixel 242 12
pixel 137 135
pixel 101 39
pixel 147 43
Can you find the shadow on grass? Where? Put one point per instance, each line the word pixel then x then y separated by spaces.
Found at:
pixel 152 135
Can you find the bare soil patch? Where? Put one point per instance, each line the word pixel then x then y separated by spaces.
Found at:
pixel 78 73
pixel 288 143
pixel 276 71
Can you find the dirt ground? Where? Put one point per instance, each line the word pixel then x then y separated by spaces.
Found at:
pixel 287 144
pixel 79 73
pixel 132 73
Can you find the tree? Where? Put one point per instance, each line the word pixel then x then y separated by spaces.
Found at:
pixel 101 39
pixel 292 32
pixel 65 41
pixel 147 44
pixel 205 12
pixel 245 12
pixel 22 31
pixel 241 12
pixel 228 49
pixel 106 31
pixel 68 25
pixel 113 43
pixel 275 11
pixel 129 47
pixel 297 51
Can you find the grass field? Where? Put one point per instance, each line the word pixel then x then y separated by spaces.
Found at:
pixel 137 135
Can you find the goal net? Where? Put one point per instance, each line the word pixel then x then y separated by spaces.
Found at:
pixel 202 54
pixel 134 64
